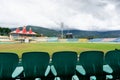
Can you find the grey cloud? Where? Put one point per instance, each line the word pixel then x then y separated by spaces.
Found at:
pixel 72 12
pixel 93 7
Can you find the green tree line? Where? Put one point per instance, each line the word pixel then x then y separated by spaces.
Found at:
pixel 4 31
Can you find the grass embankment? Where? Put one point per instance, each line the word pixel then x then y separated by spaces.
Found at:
pixel 53 47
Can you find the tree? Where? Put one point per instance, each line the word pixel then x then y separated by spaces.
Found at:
pixel 4 31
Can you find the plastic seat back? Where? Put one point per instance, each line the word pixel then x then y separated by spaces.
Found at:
pixel 92 62
pixel 64 62
pixel 112 58
pixel 35 64
pixel 8 63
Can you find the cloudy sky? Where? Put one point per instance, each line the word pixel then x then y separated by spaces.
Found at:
pixel 80 14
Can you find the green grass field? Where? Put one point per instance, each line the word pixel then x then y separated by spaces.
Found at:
pixel 53 47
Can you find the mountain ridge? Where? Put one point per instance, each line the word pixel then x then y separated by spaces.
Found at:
pixel 76 33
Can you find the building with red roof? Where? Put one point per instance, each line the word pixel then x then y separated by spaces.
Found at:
pixel 23 31
pixel 22 34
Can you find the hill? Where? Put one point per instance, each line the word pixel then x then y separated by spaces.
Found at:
pixel 76 33
pixel 94 34
pixel 41 30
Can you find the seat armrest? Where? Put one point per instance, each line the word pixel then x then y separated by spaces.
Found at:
pixel 107 69
pixel 92 77
pixel 53 70
pixel 18 70
pixel 80 69
pixel 109 77
pixel 47 70
pixel 75 77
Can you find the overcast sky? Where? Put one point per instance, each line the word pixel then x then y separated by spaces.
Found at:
pixel 80 14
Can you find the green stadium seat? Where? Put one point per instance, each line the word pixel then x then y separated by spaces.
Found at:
pixel 64 64
pixel 35 65
pixel 8 63
pixel 112 58
pixel 92 65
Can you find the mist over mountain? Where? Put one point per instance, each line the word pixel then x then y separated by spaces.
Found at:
pixel 76 33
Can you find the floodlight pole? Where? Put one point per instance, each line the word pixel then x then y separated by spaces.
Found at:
pixel 62 25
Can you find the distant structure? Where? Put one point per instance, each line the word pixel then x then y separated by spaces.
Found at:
pixel 22 34
pixel 69 35
pixel 4 38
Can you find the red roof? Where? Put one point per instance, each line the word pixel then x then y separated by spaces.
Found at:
pixel 30 30
pixel 17 30
pixel 23 31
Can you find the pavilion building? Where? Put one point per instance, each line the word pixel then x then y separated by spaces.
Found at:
pixel 22 34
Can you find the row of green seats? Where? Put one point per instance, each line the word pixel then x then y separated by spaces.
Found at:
pixel 64 65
